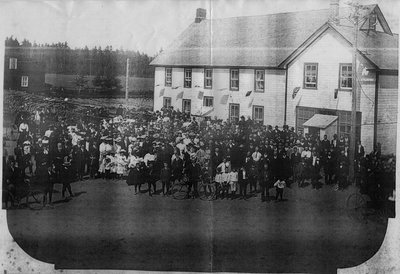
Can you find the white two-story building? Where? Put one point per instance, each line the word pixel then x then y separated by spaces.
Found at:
pixel 287 68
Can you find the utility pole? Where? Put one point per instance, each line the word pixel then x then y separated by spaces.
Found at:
pixel 353 132
pixel 126 82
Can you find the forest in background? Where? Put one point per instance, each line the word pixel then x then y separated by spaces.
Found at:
pixel 107 62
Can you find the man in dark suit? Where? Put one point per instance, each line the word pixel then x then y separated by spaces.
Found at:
pixel 275 166
pixel 176 166
pixel 330 166
pixel 359 151
pixel 81 156
pixel 315 168
pixel 216 159
pixel 325 144
pixel 194 172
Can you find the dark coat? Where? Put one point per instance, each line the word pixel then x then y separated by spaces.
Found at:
pixel 165 175
pixel 134 177
pixel 177 168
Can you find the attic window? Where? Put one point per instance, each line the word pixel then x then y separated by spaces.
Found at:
pixel 372 21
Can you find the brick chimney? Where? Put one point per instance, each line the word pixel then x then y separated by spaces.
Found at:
pixel 200 15
pixel 334 12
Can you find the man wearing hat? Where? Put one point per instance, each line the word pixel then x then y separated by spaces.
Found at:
pixel 27 157
pixel 43 170
pixel 66 175
pixel 57 159
pixel 81 156
pixel 194 172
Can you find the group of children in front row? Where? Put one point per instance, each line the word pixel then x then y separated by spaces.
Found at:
pixel 230 180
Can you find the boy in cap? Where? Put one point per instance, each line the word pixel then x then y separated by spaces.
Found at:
pixel 165 177
pixel 279 185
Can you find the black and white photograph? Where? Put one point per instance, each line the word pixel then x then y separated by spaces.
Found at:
pixel 199 136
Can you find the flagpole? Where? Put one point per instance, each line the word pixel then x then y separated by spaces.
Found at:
pixel 126 82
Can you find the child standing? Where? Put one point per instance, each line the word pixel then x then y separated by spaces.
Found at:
pixel 233 182
pixel 243 183
pixel 102 167
pixel 225 168
pixel 165 177
pixel 121 163
pixel 279 186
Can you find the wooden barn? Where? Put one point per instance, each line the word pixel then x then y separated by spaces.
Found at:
pixel 22 71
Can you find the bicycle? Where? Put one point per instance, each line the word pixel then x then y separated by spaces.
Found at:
pixel 362 209
pixel 179 188
pixel 33 193
pixel 207 189
pixel 356 206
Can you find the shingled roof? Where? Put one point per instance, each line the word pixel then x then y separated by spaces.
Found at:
pixel 266 40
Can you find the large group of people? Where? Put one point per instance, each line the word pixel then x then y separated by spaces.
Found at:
pixel 242 157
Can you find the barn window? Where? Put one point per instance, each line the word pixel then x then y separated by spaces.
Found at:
pixel 24 81
pixel 13 63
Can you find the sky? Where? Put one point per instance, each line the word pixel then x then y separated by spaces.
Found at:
pixel 146 26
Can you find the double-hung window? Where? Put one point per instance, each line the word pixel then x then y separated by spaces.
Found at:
pixel 234 79
pixel 167 102
pixel 208 101
pixel 168 77
pixel 188 78
pixel 13 63
pixel 345 76
pixel 258 114
pixel 310 75
pixel 24 81
pixel 208 78
pixel 259 80
pixel 234 112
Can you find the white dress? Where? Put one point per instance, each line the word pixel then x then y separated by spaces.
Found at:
pixel 102 166
pixel 121 164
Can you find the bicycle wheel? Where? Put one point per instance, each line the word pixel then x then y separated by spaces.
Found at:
pixel 206 191
pixel 35 200
pixel 179 190
pixel 356 207
pixel 7 197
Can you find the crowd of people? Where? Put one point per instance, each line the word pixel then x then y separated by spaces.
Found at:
pixel 242 157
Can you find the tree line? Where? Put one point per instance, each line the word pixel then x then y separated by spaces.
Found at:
pixel 101 62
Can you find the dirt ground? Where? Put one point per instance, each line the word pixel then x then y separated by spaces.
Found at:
pixel 106 226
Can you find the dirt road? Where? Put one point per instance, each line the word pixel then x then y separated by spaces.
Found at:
pixel 107 226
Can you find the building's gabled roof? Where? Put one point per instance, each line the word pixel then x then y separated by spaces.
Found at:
pixel 262 41
pixel 382 49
